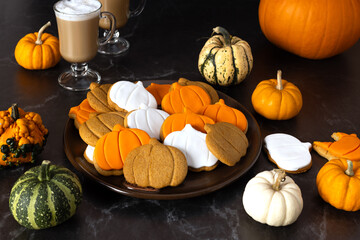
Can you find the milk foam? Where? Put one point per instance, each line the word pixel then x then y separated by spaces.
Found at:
pixel 77 10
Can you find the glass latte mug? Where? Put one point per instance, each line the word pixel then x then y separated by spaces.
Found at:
pixel 78 28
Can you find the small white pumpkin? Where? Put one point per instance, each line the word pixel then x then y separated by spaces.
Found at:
pixel 273 198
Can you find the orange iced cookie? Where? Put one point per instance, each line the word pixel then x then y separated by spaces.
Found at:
pixel 192 97
pixel 220 112
pixel 345 146
pixel 81 113
pixel 158 91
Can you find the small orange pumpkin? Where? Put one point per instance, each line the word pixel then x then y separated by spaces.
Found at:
pixel 177 121
pixel 112 148
pixel 191 96
pixel 338 183
pixel 220 112
pixel 38 50
pixel 277 99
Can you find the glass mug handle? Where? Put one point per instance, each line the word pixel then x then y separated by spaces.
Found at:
pixel 109 34
pixel 138 10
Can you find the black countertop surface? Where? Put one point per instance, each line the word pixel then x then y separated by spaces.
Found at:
pixel 165 43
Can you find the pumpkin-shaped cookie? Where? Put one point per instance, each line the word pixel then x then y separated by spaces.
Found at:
pixel 192 97
pixel 220 112
pixel 227 142
pixel 128 96
pixel 158 91
pixel 112 148
pixel 97 97
pixel 148 119
pixel 214 96
pixel 155 165
pixel 192 143
pixel 98 125
pixel 177 121
pixel 81 113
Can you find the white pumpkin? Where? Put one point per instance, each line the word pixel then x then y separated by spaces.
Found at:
pixel 273 198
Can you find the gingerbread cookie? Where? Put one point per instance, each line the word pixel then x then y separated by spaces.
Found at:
pixel 128 96
pixel 192 143
pixel 81 113
pixel 148 119
pixel 97 97
pixel 98 125
pixel 226 141
pixel 345 146
pixel 214 96
pixel 288 153
pixel 155 165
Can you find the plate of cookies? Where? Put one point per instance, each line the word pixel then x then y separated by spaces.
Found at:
pixel 161 139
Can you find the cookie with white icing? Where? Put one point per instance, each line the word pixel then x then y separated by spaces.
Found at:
pixel 192 143
pixel 89 154
pixel 288 152
pixel 128 96
pixel 147 119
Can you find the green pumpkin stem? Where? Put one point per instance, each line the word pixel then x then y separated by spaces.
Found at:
pixel 15 112
pixel 280 177
pixel 279 85
pixel 38 40
pixel 349 171
pixel 44 171
pixel 225 33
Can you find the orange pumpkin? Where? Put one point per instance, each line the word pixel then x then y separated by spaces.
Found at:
pixel 112 148
pixel 81 113
pixel 311 29
pixel 220 112
pixel 158 91
pixel 177 121
pixel 338 183
pixel 191 96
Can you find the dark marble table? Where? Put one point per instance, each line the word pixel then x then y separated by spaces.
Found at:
pixel 165 42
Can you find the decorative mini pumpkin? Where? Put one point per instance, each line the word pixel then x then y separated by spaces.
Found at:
pixel 277 99
pixel 38 50
pixel 338 183
pixel 273 198
pixel 303 27
pixel 180 97
pixel 22 136
pixel 225 59
pixel 45 196
pixel 112 148
pixel 155 165
pixel 220 112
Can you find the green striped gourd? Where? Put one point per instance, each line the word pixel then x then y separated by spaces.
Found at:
pixel 225 60
pixel 45 196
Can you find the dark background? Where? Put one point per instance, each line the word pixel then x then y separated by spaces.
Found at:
pixel 165 43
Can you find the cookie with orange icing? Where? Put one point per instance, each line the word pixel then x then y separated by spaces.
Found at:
pixel 345 146
pixel 214 96
pixel 220 112
pixel 158 91
pixel 112 148
pixel 81 113
pixel 180 97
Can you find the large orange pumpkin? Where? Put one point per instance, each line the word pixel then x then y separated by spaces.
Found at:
pixel 311 29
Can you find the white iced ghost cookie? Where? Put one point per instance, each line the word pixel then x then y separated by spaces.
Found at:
pixel 128 96
pixel 89 154
pixel 147 119
pixel 288 152
pixel 192 143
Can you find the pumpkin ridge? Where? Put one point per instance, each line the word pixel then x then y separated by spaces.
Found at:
pixel 269 204
pixel 51 206
pixel 17 198
pixel 325 28
pixel 208 56
pixel 67 192
pixel 247 61
pixel 31 208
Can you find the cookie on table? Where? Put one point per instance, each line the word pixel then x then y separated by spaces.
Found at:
pixel 81 113
pixel 226 141
pixel 158 91
pixel 214 96
pixel 288 152
pixel 97 97
pixel 155 165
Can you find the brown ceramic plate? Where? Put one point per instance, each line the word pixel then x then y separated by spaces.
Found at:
pixel 195 184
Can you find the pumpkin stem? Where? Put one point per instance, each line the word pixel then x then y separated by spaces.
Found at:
pixel 225 33
pixel 15 112
pixel 280 177
pixel 44 171
pixel 38 40
pixel 279 85
pixel 349 171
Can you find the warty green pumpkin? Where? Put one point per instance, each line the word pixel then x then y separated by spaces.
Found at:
pixel 45 196
pixel 225 60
